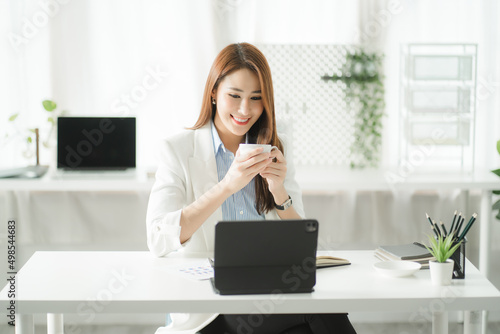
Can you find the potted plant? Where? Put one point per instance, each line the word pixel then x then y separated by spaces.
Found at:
pixel 363 84
pixel 442 248
pixel 33 134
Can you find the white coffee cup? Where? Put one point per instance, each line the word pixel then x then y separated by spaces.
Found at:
pixel 245 148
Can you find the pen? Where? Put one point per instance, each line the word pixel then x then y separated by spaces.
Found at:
pixel 460 226
pixel 459 217
pixel 432 225
pixel 453 222
pixel 433 228
pixel 467 228
pixel 444 228
pixel 436 226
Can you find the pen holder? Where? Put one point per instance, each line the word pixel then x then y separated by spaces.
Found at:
pixel 459 261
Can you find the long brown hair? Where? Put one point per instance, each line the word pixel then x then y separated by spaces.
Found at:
pixel 234 57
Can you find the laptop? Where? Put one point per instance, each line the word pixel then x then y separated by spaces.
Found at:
pixel 265 256
pixel 96 144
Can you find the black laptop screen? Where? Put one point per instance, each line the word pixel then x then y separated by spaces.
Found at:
pixel 96 143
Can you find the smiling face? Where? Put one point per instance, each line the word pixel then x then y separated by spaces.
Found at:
pixel 239 105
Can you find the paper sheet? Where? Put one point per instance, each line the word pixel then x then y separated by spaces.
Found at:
pixel 201 270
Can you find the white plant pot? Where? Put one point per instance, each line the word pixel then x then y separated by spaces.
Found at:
pixel 441 272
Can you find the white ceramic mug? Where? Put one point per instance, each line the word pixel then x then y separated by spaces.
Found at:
pixel 245 148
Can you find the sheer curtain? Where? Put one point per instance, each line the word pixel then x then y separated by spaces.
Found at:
pixel 25 77
pixel 151 59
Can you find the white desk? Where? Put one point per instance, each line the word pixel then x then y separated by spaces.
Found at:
pixel 326 179
pixel 50 182
pixel 135 282
pixel 318 180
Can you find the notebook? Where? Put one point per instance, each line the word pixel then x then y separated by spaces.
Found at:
pixel 415 252
pixel 265 256
pixel 96 143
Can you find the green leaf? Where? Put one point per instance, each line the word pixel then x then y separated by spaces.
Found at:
pixel 32 130
pixel 13 117
pixel 49 105
pixel 434 243
pixel 496 206
pixel 430 250
pixel 451 251
pixel 453 248
pixel 51 120
pixel 498 147
pixel 447 243
pixel 29 140
pixel 496 171
pixel 496 192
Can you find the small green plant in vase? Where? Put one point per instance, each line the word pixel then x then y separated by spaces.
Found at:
pixel 32 136
pixel 442 248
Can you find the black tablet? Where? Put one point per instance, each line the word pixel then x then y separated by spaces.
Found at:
pixel 265 256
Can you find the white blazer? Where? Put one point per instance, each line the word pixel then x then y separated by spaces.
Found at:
pixel 187 170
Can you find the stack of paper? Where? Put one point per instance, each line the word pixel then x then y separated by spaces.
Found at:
pixel 407 252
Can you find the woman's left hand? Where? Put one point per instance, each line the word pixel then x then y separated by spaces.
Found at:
pixel 275 175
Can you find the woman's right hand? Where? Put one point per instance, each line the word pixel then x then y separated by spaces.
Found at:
pixel 244 168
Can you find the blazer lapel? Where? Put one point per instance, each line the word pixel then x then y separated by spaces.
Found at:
pixel 202 165
pixel 203 172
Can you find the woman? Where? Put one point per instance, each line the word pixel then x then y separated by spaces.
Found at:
pixel 203 178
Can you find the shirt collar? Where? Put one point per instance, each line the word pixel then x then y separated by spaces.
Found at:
pixel 216 139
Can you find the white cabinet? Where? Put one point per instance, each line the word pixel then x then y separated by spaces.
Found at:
pixel 437 106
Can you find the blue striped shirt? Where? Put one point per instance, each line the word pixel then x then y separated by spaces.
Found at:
pixel 240 205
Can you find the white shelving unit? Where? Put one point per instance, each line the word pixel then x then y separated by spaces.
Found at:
pixel 438 106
